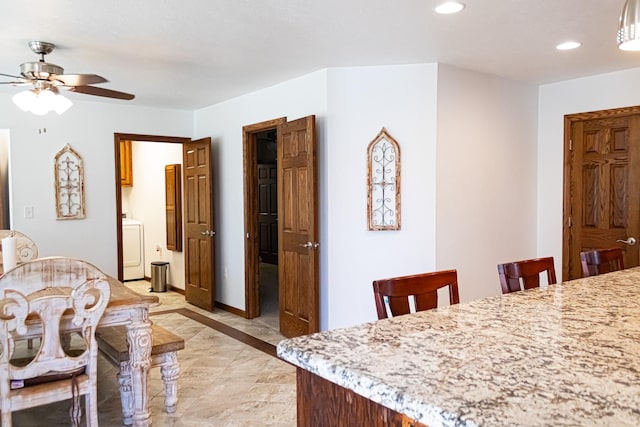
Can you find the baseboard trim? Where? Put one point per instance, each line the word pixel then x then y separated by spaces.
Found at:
pixel 174 289
pixel 230 309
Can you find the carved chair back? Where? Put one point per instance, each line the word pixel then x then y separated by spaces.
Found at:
pixel 50 296
pixel 26 248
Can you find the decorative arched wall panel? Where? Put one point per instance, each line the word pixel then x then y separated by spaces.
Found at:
pixel 383 185
pixel 69 179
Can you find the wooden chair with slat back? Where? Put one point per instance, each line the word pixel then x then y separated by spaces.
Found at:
pixel 599 261
pixel 397 291
pixel 525 274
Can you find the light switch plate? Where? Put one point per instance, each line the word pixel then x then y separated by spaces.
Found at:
pixel 28 212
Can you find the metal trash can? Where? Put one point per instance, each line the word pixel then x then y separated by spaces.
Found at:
pixel 159 276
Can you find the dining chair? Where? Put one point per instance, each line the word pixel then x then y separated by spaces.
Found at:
pixel 525 274
pixel 48 296
pixel 26 248
pixel 397 294
pixel 599 261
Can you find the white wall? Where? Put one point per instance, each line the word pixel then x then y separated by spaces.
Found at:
pixel 351 106
pixel 146 203
pixel 489 120
pixel 486 177
pixel 604 91
pixel 361 101
pixel 88 127
pixel 462 134
pixel 223 122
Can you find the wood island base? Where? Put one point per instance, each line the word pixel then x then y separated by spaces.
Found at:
pixel 322 403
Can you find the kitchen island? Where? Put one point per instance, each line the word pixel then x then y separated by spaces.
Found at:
pixel 563 355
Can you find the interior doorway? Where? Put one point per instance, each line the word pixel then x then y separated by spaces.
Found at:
pixel 198 220
pixel 267 189
pixel 297 223
pixel 120 172
pixel 261 221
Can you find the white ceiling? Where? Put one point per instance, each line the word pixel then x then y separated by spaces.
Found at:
pixel 188 54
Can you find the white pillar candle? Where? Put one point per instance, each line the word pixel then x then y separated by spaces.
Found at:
pixel 9 253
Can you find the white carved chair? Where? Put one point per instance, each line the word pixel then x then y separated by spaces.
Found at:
pixel 26 251
pixel 47 296
pixel 26 248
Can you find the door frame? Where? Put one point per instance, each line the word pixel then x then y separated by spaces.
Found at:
pixel 117 137
pixel 569 120
pixel 251 244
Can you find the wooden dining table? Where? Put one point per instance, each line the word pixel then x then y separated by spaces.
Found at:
pixel 562 355
pixel 129 308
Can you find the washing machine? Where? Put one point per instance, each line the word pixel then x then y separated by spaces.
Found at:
pixel 132 249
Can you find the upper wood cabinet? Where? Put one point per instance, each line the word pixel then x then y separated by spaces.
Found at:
pixel 126 169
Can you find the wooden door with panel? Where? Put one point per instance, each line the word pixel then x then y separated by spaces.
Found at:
pixel 602 186
pixel 199 224
pixel 298 246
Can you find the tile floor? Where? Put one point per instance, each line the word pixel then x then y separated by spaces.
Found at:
pixel 223 382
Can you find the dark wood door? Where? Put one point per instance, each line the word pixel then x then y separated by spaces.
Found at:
pixel 298 278
pixel 199 224
pixel 602 206
pixel 268 213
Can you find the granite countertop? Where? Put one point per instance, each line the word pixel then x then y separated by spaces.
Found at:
pixel 565 355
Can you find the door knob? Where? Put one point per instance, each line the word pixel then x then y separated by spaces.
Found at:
pixel 631 241
pixel 310 245
pixel 209 233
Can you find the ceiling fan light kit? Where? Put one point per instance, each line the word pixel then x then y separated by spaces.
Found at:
pixel 40 102
pixel 47 78
pixel 629 30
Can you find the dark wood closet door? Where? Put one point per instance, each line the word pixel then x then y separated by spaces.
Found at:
pixel 268 213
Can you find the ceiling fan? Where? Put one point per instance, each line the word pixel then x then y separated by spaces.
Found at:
pixel 45 77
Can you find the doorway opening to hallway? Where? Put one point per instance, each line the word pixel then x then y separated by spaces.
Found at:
pixel 261 221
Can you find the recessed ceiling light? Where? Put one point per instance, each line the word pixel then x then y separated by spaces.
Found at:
pixel 449 7
pixel 568 45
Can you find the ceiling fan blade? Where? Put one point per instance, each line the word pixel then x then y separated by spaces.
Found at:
pixel 98 91
pixel 9 75
pixel 23 83
pixel 79 79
